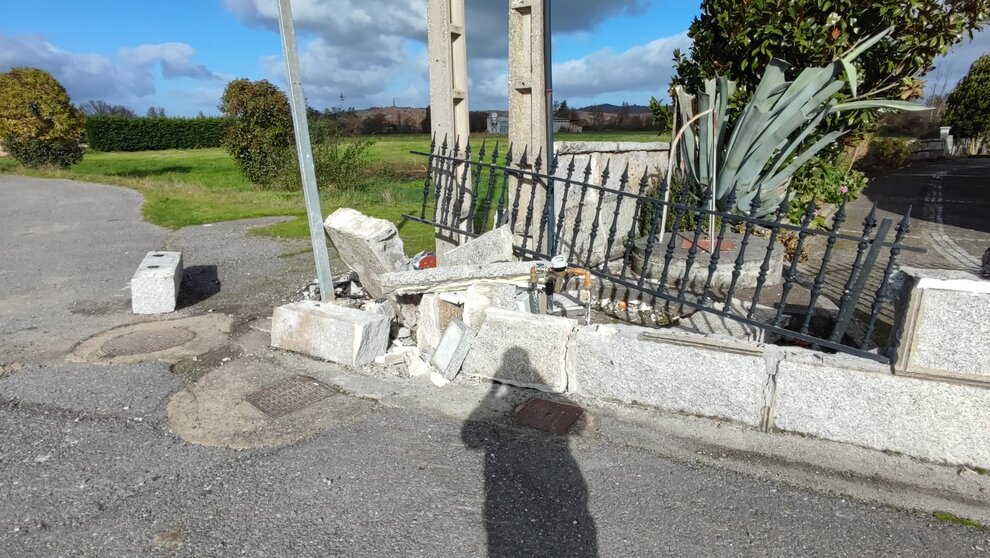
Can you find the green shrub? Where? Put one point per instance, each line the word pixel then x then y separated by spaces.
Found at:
pixel 260 129
pixel 38 124
pixel 830 179
pixel 890 153
pixel 60 153
pixel 121 133
pixel 340 164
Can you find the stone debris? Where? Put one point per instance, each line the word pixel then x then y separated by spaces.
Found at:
pixel 383 308
pixel 492 247
pixel 452 349
pixel 343 335
pixel 369 246
pixel 428 330
pixel 522 349
pixel 155 284
pixel 454 278
pixel 487 294
pixel 415 365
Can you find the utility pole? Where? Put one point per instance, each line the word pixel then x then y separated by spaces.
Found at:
pixel 305 151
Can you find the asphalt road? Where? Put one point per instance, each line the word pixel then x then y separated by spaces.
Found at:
pixel 90 467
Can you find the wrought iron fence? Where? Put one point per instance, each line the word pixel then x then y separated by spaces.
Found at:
pixel 648 238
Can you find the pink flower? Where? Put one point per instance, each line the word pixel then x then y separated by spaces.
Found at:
pixel 844 189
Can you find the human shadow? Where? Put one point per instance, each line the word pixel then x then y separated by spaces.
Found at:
pixel 199 282
pixel 536 499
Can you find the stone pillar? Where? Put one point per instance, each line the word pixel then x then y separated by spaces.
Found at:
pixel 447 46
pixel 527 107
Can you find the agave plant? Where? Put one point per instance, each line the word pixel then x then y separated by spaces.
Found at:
pixel 758 152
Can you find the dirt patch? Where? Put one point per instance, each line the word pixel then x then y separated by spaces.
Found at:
pixel 214 411
pixel 168 341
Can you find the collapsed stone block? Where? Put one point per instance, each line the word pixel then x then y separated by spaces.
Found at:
pixel 526 350
pixel 484 295
pixel 334 333
pixel 492 247
pixel 428 330
pixel 453 349
pixel 369 246
pixel 454 278
pixel 155 284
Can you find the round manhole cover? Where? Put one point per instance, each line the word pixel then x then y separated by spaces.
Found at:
pixel 143 342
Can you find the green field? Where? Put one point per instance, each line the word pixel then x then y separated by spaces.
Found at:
pixel 194 187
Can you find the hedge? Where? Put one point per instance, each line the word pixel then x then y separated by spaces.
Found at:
pixel 121 133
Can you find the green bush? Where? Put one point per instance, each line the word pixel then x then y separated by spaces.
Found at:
pixel 890 153
pixel 38 123
pixel 60 153
pixel 340 164
pixel 121 133
pixel 829 179
pixel 260 129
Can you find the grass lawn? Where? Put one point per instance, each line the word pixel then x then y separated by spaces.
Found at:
pixel 198 186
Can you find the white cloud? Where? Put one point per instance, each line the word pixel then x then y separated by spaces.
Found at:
pixel 372 50
pixel 128 78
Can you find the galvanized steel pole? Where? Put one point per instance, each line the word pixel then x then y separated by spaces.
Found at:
pixel 305 151
pixel 548 77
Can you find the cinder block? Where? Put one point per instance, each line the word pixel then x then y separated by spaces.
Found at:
pixel 334 333
pixel 453 349
pixel 155 284
pixel 526 350
pixel 935 420
pixel 680 372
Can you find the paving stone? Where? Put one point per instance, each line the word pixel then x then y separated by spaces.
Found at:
pixel 369 246
pixel 526 350
pixel 155 284
pixel 342 335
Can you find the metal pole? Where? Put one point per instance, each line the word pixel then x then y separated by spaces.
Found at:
pixel 305 151
pixel 548 78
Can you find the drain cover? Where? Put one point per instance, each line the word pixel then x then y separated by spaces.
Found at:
pixel 548 416
pixel 288 396
pixel 144 342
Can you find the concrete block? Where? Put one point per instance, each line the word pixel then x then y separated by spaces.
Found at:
pixel 934 420
pixel 526 350
pixel 483 295
pixel 699 375
pixel 155 284
pixel 453 349
pixel 454 278
pixel 369 246
pixel 946 325
pixel 334 333
pixel 492 247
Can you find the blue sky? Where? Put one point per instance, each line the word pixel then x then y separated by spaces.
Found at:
pixel 179 54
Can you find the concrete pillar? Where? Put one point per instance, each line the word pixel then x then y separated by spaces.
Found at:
pixel 527 104
pixel 447 46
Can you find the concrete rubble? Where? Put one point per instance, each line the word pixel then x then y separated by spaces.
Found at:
pixel 454 278
pixel 483 295
pixel 453 349
pixel 331 332
pixel 492 247
pixel 369 246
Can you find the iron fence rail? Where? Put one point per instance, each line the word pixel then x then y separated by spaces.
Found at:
pixel 465 197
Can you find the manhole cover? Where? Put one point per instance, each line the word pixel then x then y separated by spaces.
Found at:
pixel 548 416
pixel 145 342
pixel 288 396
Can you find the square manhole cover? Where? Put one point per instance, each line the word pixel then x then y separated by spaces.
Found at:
pixel 288 396
pixel 548 416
